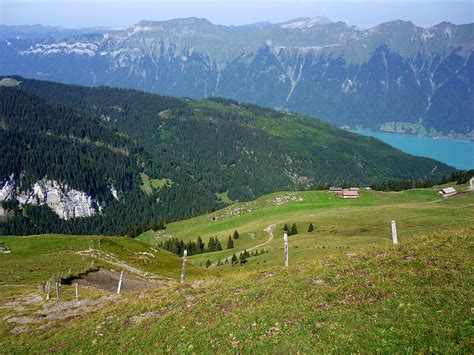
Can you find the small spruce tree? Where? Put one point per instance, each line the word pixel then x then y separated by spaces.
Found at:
pixel 294 230
pixel 285 228
pixel 217 244
pixel 310 227
pixel 236 235
pixel 234 259
pixel 208 263
pixel 230 243
pixel 211 245
pixel 200 245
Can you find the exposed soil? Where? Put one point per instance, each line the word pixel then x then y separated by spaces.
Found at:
pixel 108 279
pixel 48 313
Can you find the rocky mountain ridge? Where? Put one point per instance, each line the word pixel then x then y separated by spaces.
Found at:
pixel 393 72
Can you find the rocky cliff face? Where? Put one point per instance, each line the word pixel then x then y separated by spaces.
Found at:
pixel 394 72
pixel 67 203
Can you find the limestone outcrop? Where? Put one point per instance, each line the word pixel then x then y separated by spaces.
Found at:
pixel 66 202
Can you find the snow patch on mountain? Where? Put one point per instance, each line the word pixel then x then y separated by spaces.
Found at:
pixel 78 48
pixel 347 86
pixel 139 29
pixel 303 23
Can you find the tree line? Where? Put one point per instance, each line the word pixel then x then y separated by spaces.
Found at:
pixel 178 246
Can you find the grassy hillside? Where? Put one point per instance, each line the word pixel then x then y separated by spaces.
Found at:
pixel 35 259
pixel 347 288
pixel 337 222
pixel 412 298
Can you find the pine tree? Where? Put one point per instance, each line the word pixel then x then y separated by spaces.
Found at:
pixel 236 235
pixel 208 263
pixel 180 248
pixel 217 245
pixel 244 255
pixel 310 227
pixel 293 229
pixel 230 243
pixel 200 245
pixel 234 259
pixel 285 228
pixel 211 245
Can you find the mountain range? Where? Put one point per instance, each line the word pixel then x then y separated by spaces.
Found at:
pixel 393 77
pixel 84 160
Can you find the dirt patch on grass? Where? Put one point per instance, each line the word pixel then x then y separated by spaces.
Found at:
pixel 316 282
pixel 147 315
pixel 264 275
pixel 21 304
pixel 107 280
pixel 48 313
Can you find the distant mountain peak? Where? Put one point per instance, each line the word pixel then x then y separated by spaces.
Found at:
pixel 253 26
pixel 177 21
pixel 305 22
pixel 395 24
pixel 191 24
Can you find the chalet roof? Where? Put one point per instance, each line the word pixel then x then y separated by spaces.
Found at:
pixel 349 193
pixel 448 190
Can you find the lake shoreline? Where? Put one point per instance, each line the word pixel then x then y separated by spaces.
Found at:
pixel 457 139
pixel 456 153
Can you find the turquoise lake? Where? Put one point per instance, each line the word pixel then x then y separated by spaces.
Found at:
pixel 459 154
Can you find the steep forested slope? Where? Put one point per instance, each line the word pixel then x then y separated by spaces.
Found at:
pixel 224 144
pixel 42 142
pixel 179 157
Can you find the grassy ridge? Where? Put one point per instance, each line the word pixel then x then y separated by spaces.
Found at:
pixel 347 289
pixel 35 259
pixel 336 221
pixel 414 298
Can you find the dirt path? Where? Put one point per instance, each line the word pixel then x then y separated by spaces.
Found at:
pixel 269 230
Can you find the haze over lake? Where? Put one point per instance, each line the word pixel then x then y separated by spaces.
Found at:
pixel 459 154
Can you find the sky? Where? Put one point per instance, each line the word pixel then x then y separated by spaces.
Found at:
pixel 124 13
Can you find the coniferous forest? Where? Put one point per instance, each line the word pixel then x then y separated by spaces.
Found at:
pixel 172 158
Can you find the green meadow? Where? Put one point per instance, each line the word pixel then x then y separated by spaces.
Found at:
pixel 337 222
pixel 347 287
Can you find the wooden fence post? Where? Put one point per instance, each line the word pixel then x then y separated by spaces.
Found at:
pixel 77 292
pixel 48 290
pixel 120 283
pixel 285 240
pixel 57 289
pixel 183 269
pixel 394 232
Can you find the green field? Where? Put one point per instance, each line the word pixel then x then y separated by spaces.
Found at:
pixel 347 288
pixel 337 222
